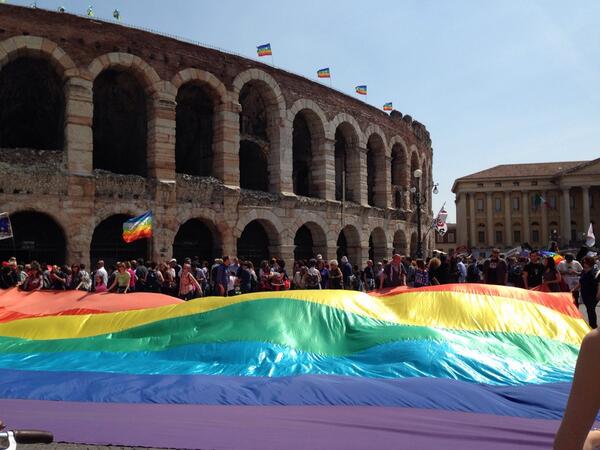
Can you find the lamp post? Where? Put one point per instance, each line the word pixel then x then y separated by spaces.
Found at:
pixel 416 190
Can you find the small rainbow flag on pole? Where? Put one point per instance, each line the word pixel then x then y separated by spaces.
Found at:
pixel 388 106
pixel 264 50
pixel 362 89
pixel 324 73
pixel 139 227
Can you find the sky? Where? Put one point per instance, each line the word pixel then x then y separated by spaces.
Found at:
pixel 500 82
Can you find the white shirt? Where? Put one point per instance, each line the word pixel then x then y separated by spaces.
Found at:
pixel 462 272
pixel 104 274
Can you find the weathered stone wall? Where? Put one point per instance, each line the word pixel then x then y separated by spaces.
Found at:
pixel 65 185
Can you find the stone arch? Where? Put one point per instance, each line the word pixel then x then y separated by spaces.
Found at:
pixel 129 63
pixel 378 245
pixel 399 243
pixel 342 118
pixel 107 242
pixel 260 239
pixel 318 239
pixel 308 146
pixel 377 173
pixel 262 112
pixel 267 218
pixel 18 46
pixel 201 77
pixel 374 129
pixel 38 235
pixel 349 244
pixel 399 168
pixel 347 163
pixel 197 236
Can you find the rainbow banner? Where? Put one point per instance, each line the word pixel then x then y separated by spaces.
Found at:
pixel 557 257
pixel 467 352
pixel 362 89
pixel 264 50
pixel 139 227
pixel 388 106
pixel 324 73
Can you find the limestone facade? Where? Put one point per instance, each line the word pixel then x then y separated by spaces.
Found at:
pixel 65 184
pixel 507 205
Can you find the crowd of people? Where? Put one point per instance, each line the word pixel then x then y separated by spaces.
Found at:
pixel 226 276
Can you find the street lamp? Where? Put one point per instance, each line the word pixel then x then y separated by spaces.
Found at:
pixel 416 190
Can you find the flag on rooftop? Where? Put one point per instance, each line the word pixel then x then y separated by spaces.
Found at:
pixel 139 227
pixel 324 73
pixel 90 11
pixel 264 50
pixel 388 106
pixel 362 89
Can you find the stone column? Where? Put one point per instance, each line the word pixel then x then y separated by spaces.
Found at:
pixel 489 213
pixel 585 192
pixel 508 238
pixel 565 206
pixel 472 223
pixel 544 236
pixel 525 209
pixel 161 136
pixel 281 159
pixel 461 218
pixel 323 161
pixel 357 168
pixel 226 143
pixel 79 112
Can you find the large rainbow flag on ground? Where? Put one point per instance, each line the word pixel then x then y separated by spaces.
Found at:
pixel 455 366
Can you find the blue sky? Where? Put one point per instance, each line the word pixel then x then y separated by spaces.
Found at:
pixel 495 82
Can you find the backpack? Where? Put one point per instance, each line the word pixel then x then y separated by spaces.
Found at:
pixel 312 281
pixel 152 284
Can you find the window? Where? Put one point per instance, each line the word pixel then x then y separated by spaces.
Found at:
pixel 515 183
pixel 479 204
pixel 571 202
pixel 591 200
pixel 498 184
pixel 573 235
pixel 535 235
pixel 498 204
pixel 479 184
pixel 451 238
pixel 552 201
pixel 517 235
pixel 534 183
pixel 516 202
pixel 498 236
pixel 534 202
pixel 481 237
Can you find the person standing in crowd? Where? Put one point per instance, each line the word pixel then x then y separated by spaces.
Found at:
pixel 551 278
pixel 369 276
pixel 533 271
pixel 324 271
pixel 222 277
pixel 336 278
pixel 189 287
pixel 473 273
pixel 131 268
pixel 312 278
pixel 35 279
pixel 421 275
pixel 346 269
pixel 434 264
pixel 588 288
pixel 570 269
pixel 394 273
pixel 121 280
pixel 495 270
pixel 101 271
pixel 461 270
pixel 154 278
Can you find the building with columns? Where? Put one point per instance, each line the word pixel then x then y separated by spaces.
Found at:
pixel 511 204
pixel 100 122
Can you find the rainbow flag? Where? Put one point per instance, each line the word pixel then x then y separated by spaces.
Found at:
pixel 557 257
pixel 388 106
pixel 139 227
pixel 264 50
pixel 324 73
pixel 291 356
pixel 362 89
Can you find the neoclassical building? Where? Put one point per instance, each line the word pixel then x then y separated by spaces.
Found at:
pixel 510 204
pixel 100 122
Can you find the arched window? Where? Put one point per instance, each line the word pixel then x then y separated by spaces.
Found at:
pixel 375 166
pixel 32 109
pixel 194 238
pixel 302 156
pixel 194 130
pixel 253 244
pixel 120 123
pixel 346 165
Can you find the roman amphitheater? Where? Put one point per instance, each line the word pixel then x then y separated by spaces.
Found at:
pixel 100 122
